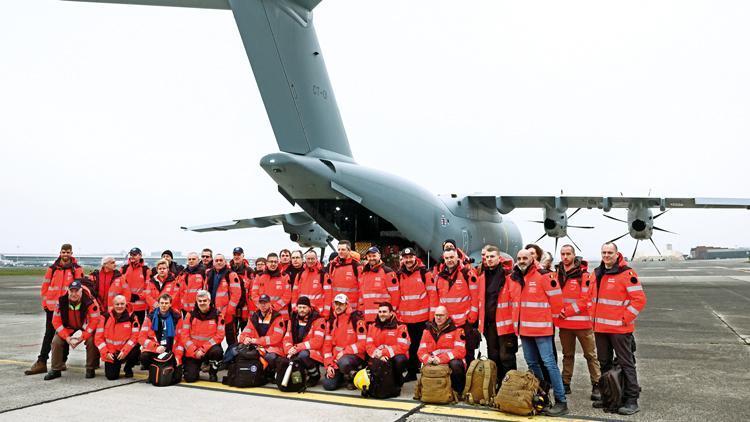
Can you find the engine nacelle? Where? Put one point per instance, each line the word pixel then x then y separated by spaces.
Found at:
pixel 640 222
pixel 555 222
pixel 309 235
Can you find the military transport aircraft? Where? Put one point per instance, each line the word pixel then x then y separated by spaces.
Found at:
pixel 314 167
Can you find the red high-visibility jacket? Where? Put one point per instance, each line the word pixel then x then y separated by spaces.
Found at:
pixel 310 338
pixel 391 337
pixel 101 281
pixel 245 307
pixel 56 281
pixel 458 291
pixel 379 284
pixel 277 286
pixel 347 334
pixel 315 284
pixel 116 333
pixel 344 276
pixel 193 279
pixel 414 305
pixel 201 331
pixel 227 294
pixel 89 310
pixel 171 286
pixel 540 297
pixel 576 293
pixel 267 331
pixel 618 298
pixel 131 285
pixel 149 341
pixel 446 344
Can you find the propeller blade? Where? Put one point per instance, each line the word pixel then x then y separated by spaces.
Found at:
pixel 574 213
pixel 536 221
pixel 635 249
pixel 582 227
pixel 663 230
pixel 574 243
pixel 660 214
pixel 545 234
pixel 618 238
pixel 654 243
pixel 614 218
pixel 556 240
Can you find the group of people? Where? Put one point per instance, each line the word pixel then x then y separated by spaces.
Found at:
pixel 346 312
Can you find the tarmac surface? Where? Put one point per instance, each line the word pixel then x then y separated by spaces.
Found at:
pixel 693 362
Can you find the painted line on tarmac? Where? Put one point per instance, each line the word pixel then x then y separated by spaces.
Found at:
pixel 495 415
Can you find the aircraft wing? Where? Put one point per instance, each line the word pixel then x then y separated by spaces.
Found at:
pixel 506 204
pixel 296 218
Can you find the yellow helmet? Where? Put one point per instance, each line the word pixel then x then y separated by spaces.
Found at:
pixel 362 380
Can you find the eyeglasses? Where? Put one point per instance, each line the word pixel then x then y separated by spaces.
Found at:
pixel 206 257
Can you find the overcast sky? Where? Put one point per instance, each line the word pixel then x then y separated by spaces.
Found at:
pixel 119 124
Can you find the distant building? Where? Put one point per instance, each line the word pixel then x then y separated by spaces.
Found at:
pixel 714 252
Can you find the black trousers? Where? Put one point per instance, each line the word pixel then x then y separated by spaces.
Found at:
pixel 458 375
pixel 399 363
pixel 501 349
pixel 49 334
pixel 112 369
pixel 622 346
pixel 347 365
pixel 415 330
pixel 473 338
pixel 192 366
pixel 230 333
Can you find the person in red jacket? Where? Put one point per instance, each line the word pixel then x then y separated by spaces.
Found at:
pixel 296 266
pixel 445 344
pixel 58 276
pixel 388 340
pixel 242 268
pixel 304 340
pixel 344 272
pixel 574 321
pixel 160 332
pixel 275 284
pixel 201 336
pixel 99 281
pixel 135 274
pixel 75 312
pixel 314 283
pixel 618 298
pixel 265 330
pixel 117 339
pixel 193 279
pixel 224 286
pixel 164 281
pixel 377 283
pixel 260 265
pixel 495 313
pixel 285 259
pixel 456 288
pixel 344 348
pixel 414 306
pixel 540 297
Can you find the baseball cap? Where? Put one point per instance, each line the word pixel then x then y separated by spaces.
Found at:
pixel 264 298
pixel 341 298
pixel 408 251
pixel 136 251
pixel 238 250
pixel 373 249
pixel 75 284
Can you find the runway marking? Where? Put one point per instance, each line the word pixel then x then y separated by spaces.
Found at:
pixel 487 414
pixel 744 278
pixel 743 340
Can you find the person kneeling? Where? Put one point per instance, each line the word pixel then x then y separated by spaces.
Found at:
pixel 304 339
pixel 202 334
pixel 388 340
pixel 117 339
pixel 344 349
pixel 444 343
pixel 160 333
pixel 265 330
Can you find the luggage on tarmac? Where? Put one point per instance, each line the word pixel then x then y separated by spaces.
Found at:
pixel 517 393
pixel 434 385
pixel 164 371
pixel 382 380
pixel 481 381
pixel 290 375
pixel 612 386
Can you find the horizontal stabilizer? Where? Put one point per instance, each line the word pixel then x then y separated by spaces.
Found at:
pixel 296 218
pixel 201 4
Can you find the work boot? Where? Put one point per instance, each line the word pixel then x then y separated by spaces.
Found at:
pixel 630 408
pixel 90 373
pixel 411 376
pixel 212 375
pixel 39 367
pixel 596 395
pixel 567 389
pixel 128 371
pixel 204 367
pixel 52 375
pixel 597 404
pixel 559 409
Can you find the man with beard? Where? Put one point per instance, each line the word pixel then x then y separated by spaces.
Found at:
pixel 540 297
pixel 275 284
pixel 377 283
pixel 265 329
pixel 59 275
pixel 135 275
pixel 414 307
pixel 202 334
pixel 304 340
pixel 388 340
pixel 193 279
pixel 574 321
pixel 344 348
pixel 243 270
pixel 224 286
pixel 344 272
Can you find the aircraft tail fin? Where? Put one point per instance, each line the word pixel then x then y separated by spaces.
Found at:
pixel 285 56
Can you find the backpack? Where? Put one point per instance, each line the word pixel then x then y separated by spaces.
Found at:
pixel 290 375
pixel 247 368
pixel 382 380
pixel 517 393
pixel 481 381
pixel 164 371
pixel 434 385
pixel 612 385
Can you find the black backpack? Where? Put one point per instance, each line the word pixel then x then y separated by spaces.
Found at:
pixel 246 370
pixel 297 382
pixel 164 371
pixel 382 380
pixel 612 386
